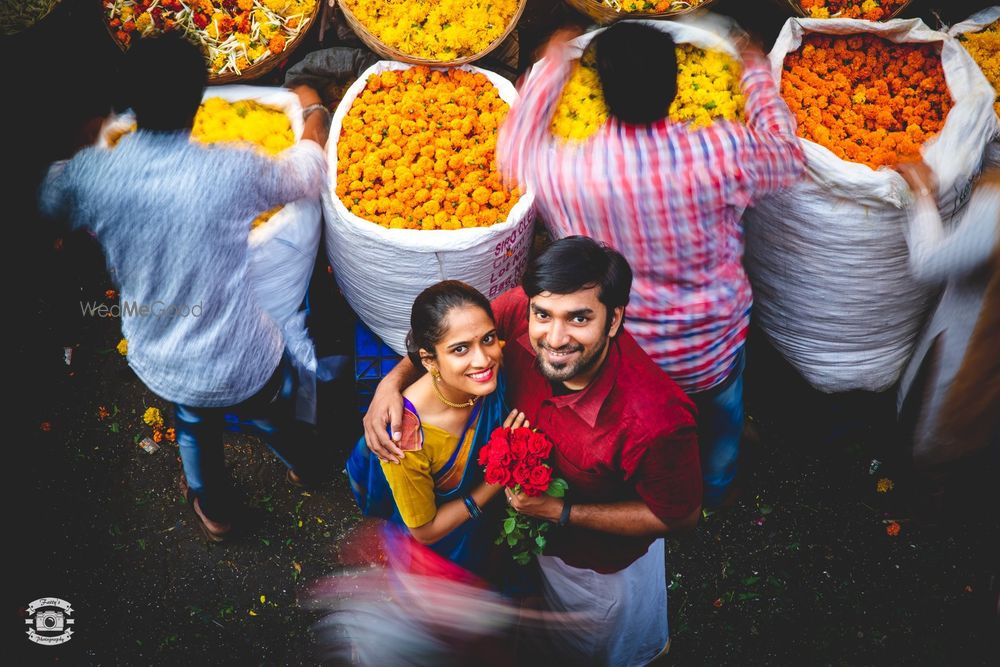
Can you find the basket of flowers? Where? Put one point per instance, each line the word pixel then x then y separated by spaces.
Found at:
pixel 869 10
pixel 242 39
pixel 609 11
pixel 436 33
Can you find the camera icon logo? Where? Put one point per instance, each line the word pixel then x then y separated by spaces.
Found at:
pixel 49 619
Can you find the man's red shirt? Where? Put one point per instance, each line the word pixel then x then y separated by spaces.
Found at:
pixel 629 435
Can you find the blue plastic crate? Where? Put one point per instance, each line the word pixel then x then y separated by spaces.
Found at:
pixel 373 360
pixel 234 424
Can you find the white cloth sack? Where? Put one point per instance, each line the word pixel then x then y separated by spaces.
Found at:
pixel 381 271
pixel 827 257
pixel 975 23
pixel 282 250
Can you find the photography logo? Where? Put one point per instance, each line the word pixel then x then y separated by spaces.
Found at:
pixel 49 621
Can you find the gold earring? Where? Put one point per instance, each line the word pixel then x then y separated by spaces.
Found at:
pixel 436 374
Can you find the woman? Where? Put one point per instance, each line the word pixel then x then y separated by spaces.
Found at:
pixel 437 491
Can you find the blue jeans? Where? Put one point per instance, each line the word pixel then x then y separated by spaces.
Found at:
pixel 199 438
pixel 720 427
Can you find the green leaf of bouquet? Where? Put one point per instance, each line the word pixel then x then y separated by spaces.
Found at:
pixel 540 541
pixel 511 540
pixel 509 525
pixel 557 488
pixel 522 558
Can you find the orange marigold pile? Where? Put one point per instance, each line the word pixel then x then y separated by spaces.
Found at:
pixel 866 99
pixel 871 10
pixel 417 151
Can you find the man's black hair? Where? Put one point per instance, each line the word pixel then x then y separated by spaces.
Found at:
pixel 166 76
pixel 637 65
pixel 579 262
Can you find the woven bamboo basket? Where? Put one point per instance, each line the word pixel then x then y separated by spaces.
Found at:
pixel 392 53
pixel 15 17
pixel 603 14
pixel 797 8
pixel 257 69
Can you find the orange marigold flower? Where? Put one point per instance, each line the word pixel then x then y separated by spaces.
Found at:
pixel 277 44
pixel 102 412
pixel 110 294
pixel 170 434
pixel 892 530
pixel 879 102
pixel 157 435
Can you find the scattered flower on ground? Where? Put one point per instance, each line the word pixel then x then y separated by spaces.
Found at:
pixel 153 417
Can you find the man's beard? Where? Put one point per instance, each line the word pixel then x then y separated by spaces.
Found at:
pixel 562 372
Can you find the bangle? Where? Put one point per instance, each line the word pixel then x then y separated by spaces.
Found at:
pixel 564 515
pixel 473 508
pixel 311 108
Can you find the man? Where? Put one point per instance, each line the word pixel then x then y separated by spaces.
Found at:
pixel 670 198
pixel 624 439
pixel 173 217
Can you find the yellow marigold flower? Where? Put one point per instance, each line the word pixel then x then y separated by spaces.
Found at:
pixel 152 417
pixel 144 22
pixel 984 47
pixel 708 88
pixel 884 485
pixel 435 29
pixel 122 347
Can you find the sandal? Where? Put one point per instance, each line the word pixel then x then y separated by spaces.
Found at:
pixel 215 531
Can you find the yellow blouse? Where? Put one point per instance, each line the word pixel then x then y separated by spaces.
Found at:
pixel 411 479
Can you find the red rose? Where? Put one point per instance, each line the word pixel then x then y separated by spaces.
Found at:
pixel 538 480
pixel 522 474
pixel 531 460
pixel 539 445
pixel 497 475
pixel 484 454
pixel 519 442
pixel 499 453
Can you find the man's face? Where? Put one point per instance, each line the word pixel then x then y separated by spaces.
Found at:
pixel 569 333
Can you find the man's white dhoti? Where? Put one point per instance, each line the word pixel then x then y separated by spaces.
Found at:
pixel 617 619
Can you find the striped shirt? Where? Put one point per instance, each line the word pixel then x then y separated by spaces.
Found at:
pixel 670 199
pixel 173 217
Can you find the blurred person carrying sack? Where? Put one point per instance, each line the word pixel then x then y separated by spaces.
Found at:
pixel 950 392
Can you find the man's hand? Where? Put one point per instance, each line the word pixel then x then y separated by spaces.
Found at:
pixel 919 177
pixel 385 410
pixel 540 507
pixel 559 40
pixel 307 95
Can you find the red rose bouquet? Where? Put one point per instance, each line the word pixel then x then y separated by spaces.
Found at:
pixel 515 458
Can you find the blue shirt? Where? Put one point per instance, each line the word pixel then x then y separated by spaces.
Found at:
pixel 173 217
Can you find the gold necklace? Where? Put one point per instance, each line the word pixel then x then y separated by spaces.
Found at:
pixel 468 404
